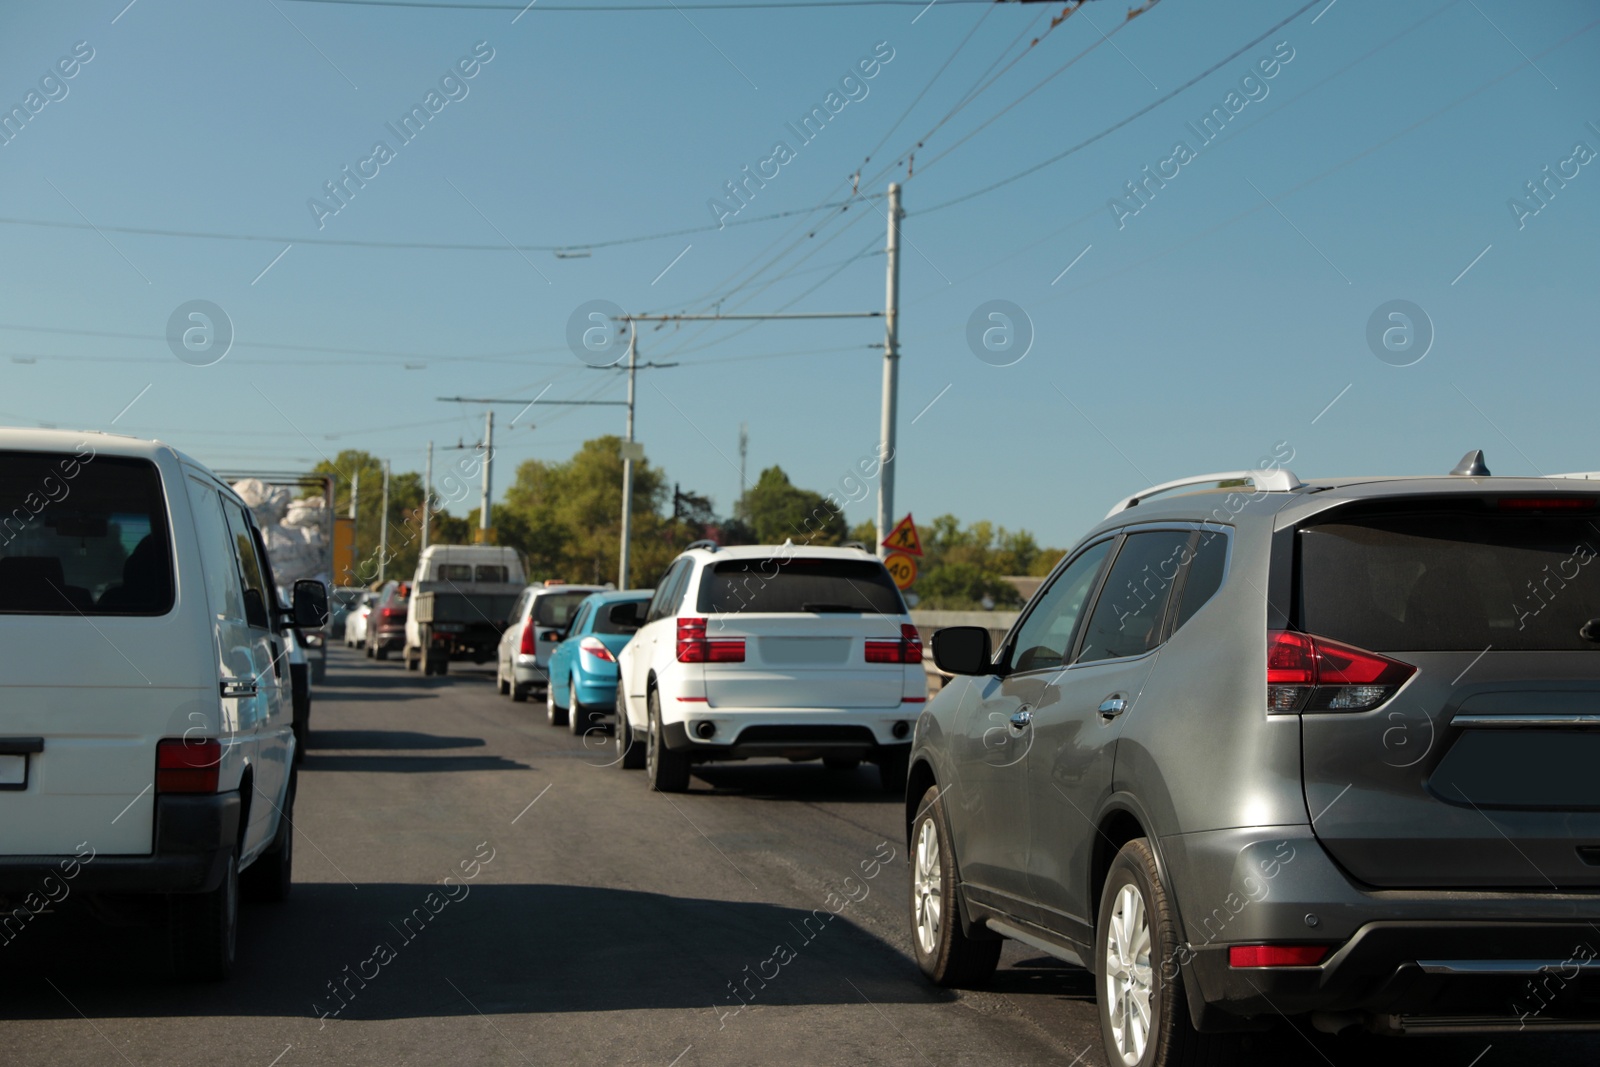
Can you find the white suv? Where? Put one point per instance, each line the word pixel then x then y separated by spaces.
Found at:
pixel 763 650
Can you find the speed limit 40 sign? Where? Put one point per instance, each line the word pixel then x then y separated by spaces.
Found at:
pixel 902 568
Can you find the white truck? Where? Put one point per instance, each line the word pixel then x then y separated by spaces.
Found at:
pixel 460 603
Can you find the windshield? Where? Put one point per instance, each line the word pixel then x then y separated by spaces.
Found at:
pixel 557 609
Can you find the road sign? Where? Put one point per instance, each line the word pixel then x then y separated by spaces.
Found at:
pixel 902 568
pixel 903 538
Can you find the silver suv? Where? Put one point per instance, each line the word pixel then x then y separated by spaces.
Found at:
pixel 1321 750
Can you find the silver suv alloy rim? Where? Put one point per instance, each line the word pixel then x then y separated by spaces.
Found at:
pixel 1128 975
pixel 926 888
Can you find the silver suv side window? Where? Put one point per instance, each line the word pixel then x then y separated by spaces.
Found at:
pixel 1045 635
pixel 1127 618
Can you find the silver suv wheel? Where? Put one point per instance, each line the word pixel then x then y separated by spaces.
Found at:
pixel 1128 975
pixel 927 888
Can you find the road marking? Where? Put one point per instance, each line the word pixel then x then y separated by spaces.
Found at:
pixel 531 803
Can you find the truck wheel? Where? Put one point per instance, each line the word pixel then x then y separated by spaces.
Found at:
pixel 630 750
pixel 270 876
pixel 371 650
pixel 413 662
pixel 554 714
pixel 203 928
pixel 666 770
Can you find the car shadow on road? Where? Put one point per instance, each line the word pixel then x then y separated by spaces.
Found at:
pixel 388 739
pixel 389 951
pixel 791 781
pixel 366 762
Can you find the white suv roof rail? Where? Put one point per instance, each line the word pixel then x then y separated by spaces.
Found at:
pixel 1587 475
pixel 1265 481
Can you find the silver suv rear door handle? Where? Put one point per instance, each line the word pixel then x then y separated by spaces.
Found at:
pixel 1113 706
pixel 1020 719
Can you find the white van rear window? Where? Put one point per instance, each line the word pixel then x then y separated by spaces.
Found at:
pixel 82 534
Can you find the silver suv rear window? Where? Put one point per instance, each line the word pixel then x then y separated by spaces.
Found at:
pixel 1453 581
pixel 82 534
pixel 799 584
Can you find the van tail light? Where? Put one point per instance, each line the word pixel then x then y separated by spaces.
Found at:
pixel 594 647
pixel 187 765
pixel 695 647
pixel 387 613
pixel 1306 673
pixel 1276 955
pixel 906 650
pixel 528 647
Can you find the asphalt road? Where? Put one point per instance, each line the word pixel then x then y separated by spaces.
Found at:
pixel 587 921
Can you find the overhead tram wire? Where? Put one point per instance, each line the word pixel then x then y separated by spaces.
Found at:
pixel 430 246
pixel 719 291
pixel 1135 115
pixel 979 86
pixel 1104 39
pixel 712 5
pixel 1228 137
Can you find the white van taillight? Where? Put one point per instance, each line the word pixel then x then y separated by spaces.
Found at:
pixel 187 765
pixel 1313 674
pixel 695 647
pixel 594 647
pixel 528 647
pixel 906 650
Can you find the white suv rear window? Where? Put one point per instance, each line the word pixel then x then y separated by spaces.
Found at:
pixel 799 584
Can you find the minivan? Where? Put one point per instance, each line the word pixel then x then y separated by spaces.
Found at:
pixel 146 741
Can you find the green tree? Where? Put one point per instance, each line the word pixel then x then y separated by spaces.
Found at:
pixel 778 510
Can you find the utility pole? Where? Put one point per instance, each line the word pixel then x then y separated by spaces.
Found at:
pixel 488 467
pixel 627 463
pixel 427 496
pixel 891 374
pixel 744 449
pixel 383 526
pixel 355 524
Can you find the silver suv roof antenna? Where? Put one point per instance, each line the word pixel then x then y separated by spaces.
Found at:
pixel 1472 465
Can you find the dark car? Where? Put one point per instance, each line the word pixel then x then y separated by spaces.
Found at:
pixel 386 626
pixel 1319 751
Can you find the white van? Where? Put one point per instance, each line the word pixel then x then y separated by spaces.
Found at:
pixel 145 725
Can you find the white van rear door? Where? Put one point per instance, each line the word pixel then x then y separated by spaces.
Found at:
pixel 99 657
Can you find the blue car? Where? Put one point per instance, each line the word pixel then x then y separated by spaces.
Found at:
pixel 583 668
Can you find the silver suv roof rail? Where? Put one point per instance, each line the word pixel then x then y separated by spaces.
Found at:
pixel 707 544
pixel 1265 481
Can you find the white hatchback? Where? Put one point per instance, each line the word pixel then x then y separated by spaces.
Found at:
pixel 146 741
pixel 764 650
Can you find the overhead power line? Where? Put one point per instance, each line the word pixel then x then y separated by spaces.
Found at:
pixel 1085 143
pixel 715 5
pixel 434 246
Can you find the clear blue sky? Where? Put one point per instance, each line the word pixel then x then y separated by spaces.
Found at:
pixel 1210 326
